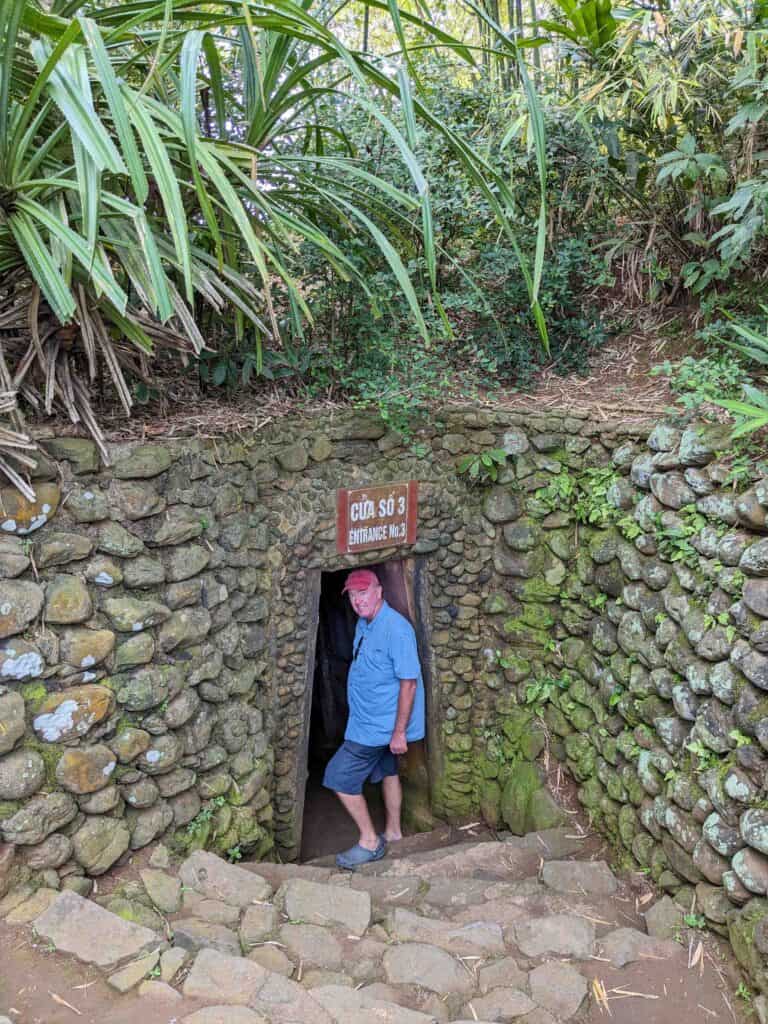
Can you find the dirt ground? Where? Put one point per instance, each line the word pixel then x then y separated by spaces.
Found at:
pixel 40 986
pixel 618 383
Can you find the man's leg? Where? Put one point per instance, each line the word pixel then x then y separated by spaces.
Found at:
pixel 393 801
pixel 357 809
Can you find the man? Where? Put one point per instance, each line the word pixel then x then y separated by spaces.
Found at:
pixel 385 693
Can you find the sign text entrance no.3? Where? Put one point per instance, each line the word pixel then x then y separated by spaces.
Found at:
pixel 376 517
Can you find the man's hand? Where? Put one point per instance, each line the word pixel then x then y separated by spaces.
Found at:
pixel 398 743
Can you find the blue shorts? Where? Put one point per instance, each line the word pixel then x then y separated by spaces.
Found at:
pixel 353 764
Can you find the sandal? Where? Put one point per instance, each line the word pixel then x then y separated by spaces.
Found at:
pixel 357 855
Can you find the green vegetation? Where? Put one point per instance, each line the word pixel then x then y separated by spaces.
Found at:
pixel 384 205
pixel 539 692
pixel 482 468
pixel 200 825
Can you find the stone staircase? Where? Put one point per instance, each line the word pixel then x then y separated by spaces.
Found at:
pixel 497 931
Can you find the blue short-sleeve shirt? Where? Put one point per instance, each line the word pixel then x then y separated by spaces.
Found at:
pixel 385 653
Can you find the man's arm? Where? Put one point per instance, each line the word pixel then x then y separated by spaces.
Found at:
pixel 398 743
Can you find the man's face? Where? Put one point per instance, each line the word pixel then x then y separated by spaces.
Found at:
pixel 366 603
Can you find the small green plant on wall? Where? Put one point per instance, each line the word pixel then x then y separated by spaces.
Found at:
pixel 482 468
pixel 674 543
pixel 705 758
pixel 587 497
pixel 592 506
pixel 541 691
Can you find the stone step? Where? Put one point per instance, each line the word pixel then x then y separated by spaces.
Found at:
pixel 513 858
pixel 487 943
pixel 91 933
pixel 216 879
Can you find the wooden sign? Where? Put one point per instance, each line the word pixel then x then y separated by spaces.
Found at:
pixel 376 517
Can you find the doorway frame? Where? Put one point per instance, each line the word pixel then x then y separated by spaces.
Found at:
pixel 416 569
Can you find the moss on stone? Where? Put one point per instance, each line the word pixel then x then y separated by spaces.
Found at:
pixel 496 604
pixel 628 826
pixel 741 932
pixel 515 722
pixel 581 718
pixel 51 755
pixel 8 808
pixel 34 695
pixel 516 668
pixel 537 616
pixel 520 632
pixel 537 589
pixel 489 797
pixel 516 798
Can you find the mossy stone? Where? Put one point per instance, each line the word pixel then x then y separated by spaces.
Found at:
pixel 517 796
pixel 114 539
pixel 489 798
pixel 543 812
pixel 538 589
pixel 81 453
pixel 519 632
pixel 136 650
pixel 143 463
pixel 741 932
pixel 67 601
pixel 20 516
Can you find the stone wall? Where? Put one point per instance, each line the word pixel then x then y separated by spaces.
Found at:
pixel 607 597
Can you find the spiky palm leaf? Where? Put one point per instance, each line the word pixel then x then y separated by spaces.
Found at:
pixel 126 207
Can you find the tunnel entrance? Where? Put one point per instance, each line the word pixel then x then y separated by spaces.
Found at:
pixel 326 828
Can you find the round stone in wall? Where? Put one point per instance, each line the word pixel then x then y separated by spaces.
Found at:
pixel 640 472
pixel 101 802
pixel 74 712
pixel 709 863
pixel 750 511
pixel 61 548
pixel 37 819
pixel 84 648
pixel 20 602
pixel 671 490
pixel 754 561
pixel 21 516
pixel 754 666
pixel 99 843
pixel 20 660
pixel 187 561
pixel 22 773
pixel 104 572
pixel 663 438
pixel 129 743
pixel 86 769
pixel 88 504
pixel 51 853
pixel 754 828
pixel 143 463
pixel 142 793
pixel 751 869
pixel 11 720
pixel 136 650
pixel 67 600
pixel 137 501
pixel 514 441
pixel 114 539
pixel 129 615
pixel 148 824
pixel 13 557
pixel 755 596
pixel 163 754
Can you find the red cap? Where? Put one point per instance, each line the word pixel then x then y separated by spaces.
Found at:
pixel 360 579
